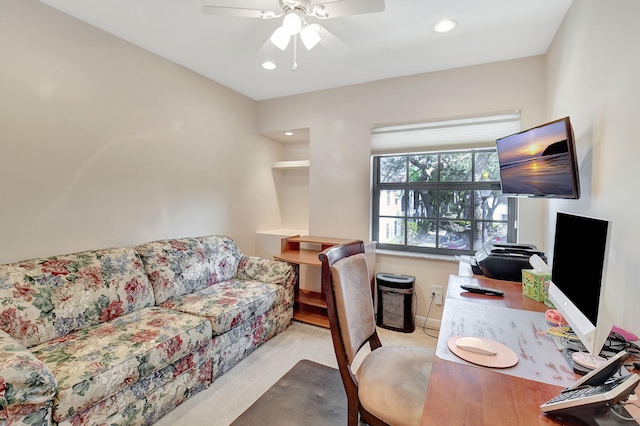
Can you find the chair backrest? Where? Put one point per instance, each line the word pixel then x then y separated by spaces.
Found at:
pixel 346 285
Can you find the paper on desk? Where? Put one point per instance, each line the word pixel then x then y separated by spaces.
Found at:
pixel 539 265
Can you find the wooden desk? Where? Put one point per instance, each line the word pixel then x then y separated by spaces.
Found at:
pixel 464 394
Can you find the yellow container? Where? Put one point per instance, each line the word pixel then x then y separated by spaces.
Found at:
pixel 535 285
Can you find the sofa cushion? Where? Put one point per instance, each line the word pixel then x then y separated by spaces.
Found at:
pixel 267 270
pixel 233 346
pixel 153 396
pixel 24 379
pixel 230 303
pixel 96 362
pixel 50 297
pixel 182 266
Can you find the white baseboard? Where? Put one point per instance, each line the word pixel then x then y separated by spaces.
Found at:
pixel 431 323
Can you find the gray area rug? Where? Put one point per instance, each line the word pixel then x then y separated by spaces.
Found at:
pixel 309 394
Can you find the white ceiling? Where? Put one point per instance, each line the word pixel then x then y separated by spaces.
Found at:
pixel 396 42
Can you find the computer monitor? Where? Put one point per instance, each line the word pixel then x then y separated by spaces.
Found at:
pixel 578 277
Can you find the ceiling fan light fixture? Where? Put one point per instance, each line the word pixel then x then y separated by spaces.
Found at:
pixel 310 36
pixel 268 65
pixel 280 38
pixel 445 25
pixel 292 22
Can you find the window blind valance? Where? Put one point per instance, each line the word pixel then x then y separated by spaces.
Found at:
pixel 454 133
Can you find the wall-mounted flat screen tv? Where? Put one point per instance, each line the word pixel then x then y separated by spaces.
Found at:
pixel 540 162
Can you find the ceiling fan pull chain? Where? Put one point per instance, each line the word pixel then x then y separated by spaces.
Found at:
pixel 295 53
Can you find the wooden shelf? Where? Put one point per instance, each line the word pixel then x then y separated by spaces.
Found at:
pixel 312 318
pixel 301 257
pixel 310 306
pixel 311 298
pixel 293 252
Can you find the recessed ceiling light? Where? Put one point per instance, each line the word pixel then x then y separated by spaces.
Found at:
pixel 445 25
pixel 288 133
pixel 268 65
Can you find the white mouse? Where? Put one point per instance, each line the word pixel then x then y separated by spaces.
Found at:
pixel 473 344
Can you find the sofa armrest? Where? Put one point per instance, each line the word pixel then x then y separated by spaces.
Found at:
pixel 24 379
pixel 266 270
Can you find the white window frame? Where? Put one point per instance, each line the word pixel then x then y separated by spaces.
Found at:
pixel 441 136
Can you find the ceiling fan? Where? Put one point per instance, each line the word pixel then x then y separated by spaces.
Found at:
pixel 294 21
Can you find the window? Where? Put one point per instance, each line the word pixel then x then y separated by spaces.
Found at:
pixel 446 201
pixel 439 202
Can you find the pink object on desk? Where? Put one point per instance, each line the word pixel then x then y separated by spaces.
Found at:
pixel 555 317
pixel 628 336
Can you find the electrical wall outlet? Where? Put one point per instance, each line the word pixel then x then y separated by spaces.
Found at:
pixel 437 291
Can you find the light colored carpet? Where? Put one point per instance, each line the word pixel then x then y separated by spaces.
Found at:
pixel 230 395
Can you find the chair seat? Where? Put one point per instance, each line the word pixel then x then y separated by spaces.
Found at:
pixel 392 383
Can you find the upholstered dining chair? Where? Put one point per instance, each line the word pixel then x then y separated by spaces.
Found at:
pixel 390 384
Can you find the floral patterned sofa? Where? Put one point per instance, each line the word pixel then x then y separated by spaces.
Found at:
pixel 123 335
pixel 251 301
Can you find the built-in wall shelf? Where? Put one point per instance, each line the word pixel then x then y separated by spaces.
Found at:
pixel 297 164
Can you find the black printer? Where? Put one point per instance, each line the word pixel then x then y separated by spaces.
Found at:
pixel 504 261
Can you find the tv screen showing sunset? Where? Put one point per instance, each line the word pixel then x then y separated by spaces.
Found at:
pixel 536 161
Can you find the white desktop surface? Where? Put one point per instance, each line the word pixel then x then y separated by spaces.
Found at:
pixel 538 356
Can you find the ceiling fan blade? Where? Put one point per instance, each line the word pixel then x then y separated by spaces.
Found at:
pixel 337 8
pixel 240 12
pixel 331 42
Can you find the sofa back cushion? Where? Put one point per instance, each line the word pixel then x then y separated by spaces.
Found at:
pixel 182 266
pixel 42 299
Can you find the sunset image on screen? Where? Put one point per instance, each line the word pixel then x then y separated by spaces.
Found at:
pixel 536 161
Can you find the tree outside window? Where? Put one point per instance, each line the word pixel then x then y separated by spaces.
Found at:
pixel 440 202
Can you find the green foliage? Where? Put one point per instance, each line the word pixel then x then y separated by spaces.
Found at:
pixel 39 418
pixel 456 167
pixel 144 366
pixel 59 356
pixel 423 168
pixel 445 186
pixel 81 388
pixel 42 301
pixel 393 169
pixel 9 397
pixel 35 379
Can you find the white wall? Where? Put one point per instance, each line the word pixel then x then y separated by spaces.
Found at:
pixel 340 120
pixel 594 77
pixel 105 144
pixel 292 186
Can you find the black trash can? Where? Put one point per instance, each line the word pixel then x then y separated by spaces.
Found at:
pixel 395 294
